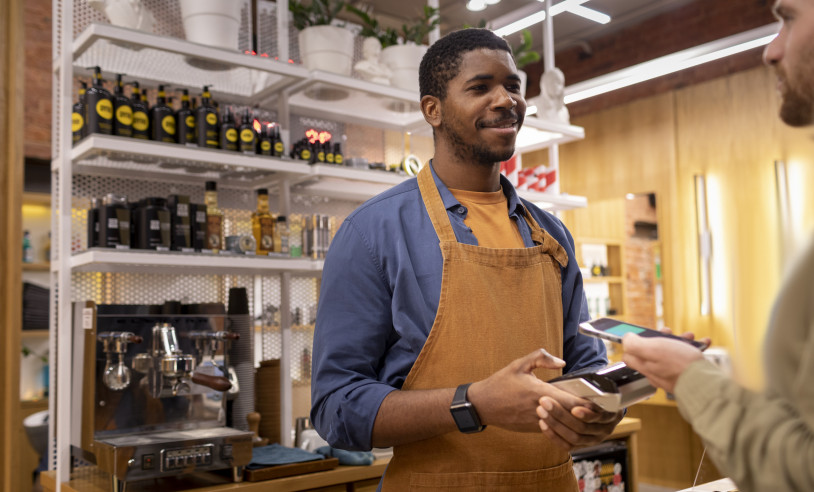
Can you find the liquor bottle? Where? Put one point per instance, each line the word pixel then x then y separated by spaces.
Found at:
pixel 329 153
pixel 338 159
pixel 228 132
pixel 277 142
pixel 78 127
pixel 185 119
pixel 206 121
pixel 263 224
pixel 248 138
pixel 214 218
pixel 162 119
pixel 141 119
pixel 281 236
pixel 122 111
pixel 98 106
pixel 264 144
pixel 320 150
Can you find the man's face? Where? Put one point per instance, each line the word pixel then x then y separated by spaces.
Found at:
pixel 792 55
pixel 483 109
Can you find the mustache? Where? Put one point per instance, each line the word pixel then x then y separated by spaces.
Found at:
pixel 507 117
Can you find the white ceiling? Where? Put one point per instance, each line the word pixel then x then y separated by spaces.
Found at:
pixel 569 29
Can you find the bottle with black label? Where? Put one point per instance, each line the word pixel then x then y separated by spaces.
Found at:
pixel 264 145
pixel 152 224
pixel 263 224
pixel 214 218
pixel 93 223
pixel 185 119
pixel 206 122
pixel 162 119
pixel 338 154
pixel 141 118
pixel 329 153
pixel 320 148
pixel 78 115
pixel 305 150
pixel 228 132
pixel 180 223
pixel 114 222
pixel 277 142
pixel 98 106
pixel 122 111
pixel 197 213
pixel 248 140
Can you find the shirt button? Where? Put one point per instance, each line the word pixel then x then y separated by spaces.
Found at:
pixel 461 210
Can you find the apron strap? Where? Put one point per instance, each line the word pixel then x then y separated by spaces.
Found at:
pixel 435 205
pixel 550 245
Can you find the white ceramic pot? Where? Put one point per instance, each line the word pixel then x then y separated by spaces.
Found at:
pixel 327 48
pixel 524 77
pixel 404 60
pixel 212 22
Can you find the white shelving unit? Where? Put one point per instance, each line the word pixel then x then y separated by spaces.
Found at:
pixel 238 77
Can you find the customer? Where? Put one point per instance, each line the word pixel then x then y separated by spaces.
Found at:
pixel 451 279
pixel 763 441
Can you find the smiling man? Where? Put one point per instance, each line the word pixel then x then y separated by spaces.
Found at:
pixel 447 301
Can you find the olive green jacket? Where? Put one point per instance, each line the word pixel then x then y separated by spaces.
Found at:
pixel 763 441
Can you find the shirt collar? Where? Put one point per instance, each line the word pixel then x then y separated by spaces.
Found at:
pixel 515 205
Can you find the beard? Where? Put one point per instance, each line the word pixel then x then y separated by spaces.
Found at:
pixel 797 105
pixel 478 153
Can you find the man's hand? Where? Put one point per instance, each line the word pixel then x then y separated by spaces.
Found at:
pixel 509 397
pixel 661 360
pixel 581 425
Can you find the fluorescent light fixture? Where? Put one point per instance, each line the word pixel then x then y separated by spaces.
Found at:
pixel 538 17
pixel 475 5
pixel 492 2
pixel 675 62
pixel 704 242
pixel 590 14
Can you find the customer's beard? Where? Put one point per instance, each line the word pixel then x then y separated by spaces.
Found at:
pixel 797 105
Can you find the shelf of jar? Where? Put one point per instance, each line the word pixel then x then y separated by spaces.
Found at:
pixel 153 60
pixel 178 263
pixel 34 333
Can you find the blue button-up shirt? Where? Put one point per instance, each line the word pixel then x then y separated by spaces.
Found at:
pixel 381 285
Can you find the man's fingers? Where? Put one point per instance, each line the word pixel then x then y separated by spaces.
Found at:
pixel 540 358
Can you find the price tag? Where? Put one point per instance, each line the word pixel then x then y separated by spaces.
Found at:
pixel 87 318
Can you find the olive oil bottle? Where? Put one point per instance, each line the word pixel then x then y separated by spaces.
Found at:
pixel 228 132
pixel 263 224
pixel 122 111
pixel 206 121
pixel 98 106
pixel 248 138
pixel 78 115
pixel 185 119
pixel 141 118
pixel 214 218
pixel 162 119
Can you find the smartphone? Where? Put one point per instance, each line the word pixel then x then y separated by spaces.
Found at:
pixel 613 330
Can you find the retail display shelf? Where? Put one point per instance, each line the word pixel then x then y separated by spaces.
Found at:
pixel 538 134
pixel 175 263
pixel 553 202
pixel 153 59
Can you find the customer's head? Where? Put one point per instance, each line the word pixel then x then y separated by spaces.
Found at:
pixel 442 61
pixel 792 56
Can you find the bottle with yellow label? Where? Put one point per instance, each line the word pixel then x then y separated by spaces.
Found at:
pixel 141 114
pixel 278 149
pixel 185 120
pixel 248 139
pixel 214 218
pixel 264 145
pixel 228 132
pixel 122 111
pixel 162 119
pixel 207 125
pixel 263 224
pixel 98 106
pixel 78 115
pixel 338 159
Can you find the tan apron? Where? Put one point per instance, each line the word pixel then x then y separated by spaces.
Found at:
pixel 496 305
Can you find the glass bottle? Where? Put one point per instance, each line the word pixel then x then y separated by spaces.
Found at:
pixel 263 224
pixel 28 249
pixel 214 218
pixel 281 231
pixel 295 236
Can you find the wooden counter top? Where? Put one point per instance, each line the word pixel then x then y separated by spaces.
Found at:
pixel 90 479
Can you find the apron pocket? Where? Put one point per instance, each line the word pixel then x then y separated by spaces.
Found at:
pixel 558 478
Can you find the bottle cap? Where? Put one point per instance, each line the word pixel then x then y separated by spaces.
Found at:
pixel 263 191
pixel 211 186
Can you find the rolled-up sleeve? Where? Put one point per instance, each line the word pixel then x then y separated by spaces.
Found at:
pixel 351 335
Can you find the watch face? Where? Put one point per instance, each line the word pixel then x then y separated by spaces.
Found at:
pixel 465 418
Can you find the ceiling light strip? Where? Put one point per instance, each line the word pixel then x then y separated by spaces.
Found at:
pixel 537 17
pixel 675 62
pixel 590 14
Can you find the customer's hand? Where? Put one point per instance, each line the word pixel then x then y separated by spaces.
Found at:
pixel 509 397
pixel 661 360
pixel 580 425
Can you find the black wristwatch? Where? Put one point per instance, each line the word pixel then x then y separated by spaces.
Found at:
pixel 462 410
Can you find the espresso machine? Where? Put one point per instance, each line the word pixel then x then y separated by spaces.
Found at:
pixel 155 384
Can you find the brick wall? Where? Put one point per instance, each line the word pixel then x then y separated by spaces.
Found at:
pixel 38 79
pixel 639 264
pixel 687 26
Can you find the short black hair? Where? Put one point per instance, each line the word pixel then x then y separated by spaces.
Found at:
pixel 442 61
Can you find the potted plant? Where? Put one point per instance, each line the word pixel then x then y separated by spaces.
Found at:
pixel 402 59
pixel 524 55
pixel 323 46
pixel 211 22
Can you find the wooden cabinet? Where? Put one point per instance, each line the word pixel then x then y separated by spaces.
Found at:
pixel 603 273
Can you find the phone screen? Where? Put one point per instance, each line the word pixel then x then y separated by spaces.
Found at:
pixel 622 328
pixel 614 330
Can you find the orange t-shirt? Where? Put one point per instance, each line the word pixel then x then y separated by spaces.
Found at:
pixel 488 217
